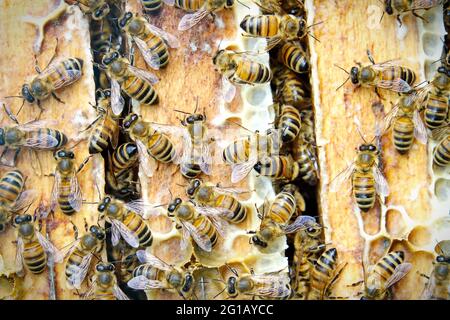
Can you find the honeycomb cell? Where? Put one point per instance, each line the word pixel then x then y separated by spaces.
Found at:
pixel 431 43
pixel 442 189
pixel 7 286
pixel 420 236
pixel 430 68
pixel 169 251
pixel 371 220
pixel 160 223
pixel 209 284
pixel 395 225
pixel 378 248
pixel 256 95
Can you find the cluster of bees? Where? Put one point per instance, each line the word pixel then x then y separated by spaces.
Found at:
pixel 286 154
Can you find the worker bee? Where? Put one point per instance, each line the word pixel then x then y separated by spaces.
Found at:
pixel 125 260
pixel 13 197
pixel 81 253
pixel 441 153
pixel 151 41
pixel 207 7
pixel 126 220
pixel 294 57
pixel 104 37
pixel 33 249
pixel 221 199
pixel 288 121
pixel 236 68
pixel 136 83
pixel 386 75
pixel 324 274
pixel 33 135
pixel 368 180
pixel 407 124
pixel 203 224
pixel 389 270
pixel 66 188
pixel 273 285
pixel 398 7
pixel 278 168
pixel 156 274
pixel 154 6
pixel 105 286
pixel 97 9
pixel 290 90
pixel 151 142
pixel 438 284
pixel 275 219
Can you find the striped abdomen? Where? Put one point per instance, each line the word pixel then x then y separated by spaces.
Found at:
pixel 306 158
pixel 205 227
pixel 396 72
pixel 293 57
pixel 282 208
pixel 237 152
pixel 232 204
pixel 189 5
pixel 364 190
pixel 151 6
pixel 436 109
pixel 102 133
pixel 157 47
pixel 103 295
pixel 76 257
pixel 289 123
pixel 42 134
pixel 280 167
pixel 137 225
pixel 161 148
pixel 248 71
pixel 261 25
pixel 387 265
pixel 322 274
pixel 190 170
pixel 403 134
pixel 293 93
pixel 34 257
pixel 125 156
pixel 65 187
pixel 140 90
pixel 149 272
pixel 63 73
pixel 301 279
pixel 441 153
pixel 11 185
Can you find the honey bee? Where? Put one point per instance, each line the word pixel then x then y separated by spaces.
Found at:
pixel 325 272
pixel 34 135
pixel 81 253
pixel 125 260
pixel 154 6
pixel 207 7
pixel 13 197
pixel 438 284
pixel 441 153
pixel 368 180
pixel 275 219
pixel 294 57
pixel 97 9
pixel 407 124
pixel 156 274
pixel 386 75
pixel 104 37
pixel 288 122
pixel 66 188
pixel 222 200
pixel 203 225
pixel 236 68
pixel 398 7
pixel 290 90
pixel 273 285
pixel 151 142
pixel 105 286
pixel 136 83
pixel 278 168
pixel 389 270
pixel 126 220
pixel 34 251
pixel 151 41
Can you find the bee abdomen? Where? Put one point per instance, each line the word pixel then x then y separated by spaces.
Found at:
pixel 403 133
pixel 64 193
pixel 42 134
pixel 151 6
pixel 125 156
pixel 99 139
pixel 387 265
pixel 441 156
pixel 253 72
pixel 190 170
pixel 293 57
pixel 205 227
pixel 73 262
pixel 408 75
pixel 140 90
pixel 161 148
pixel 189 5
pixel 322 272
pixel 364 191
pixel 236 152
pixel 137 225
pixel 283 207
pixel 147 271
pixel 34 257
pixel 239 210
pixel 289 123
pixel 11 186
pixel 157 46
pixel 436 110
pixel 260 25
pixel 308 171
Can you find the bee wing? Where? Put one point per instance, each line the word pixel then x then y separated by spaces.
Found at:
pixel 184 238
pixel 387 121
pixel 427 293
pixel 191 19
pixel 79 275
pixel 381 184
pixel 55 191
pixel 41 140
pixel 170 39
pixel 423 4
pixel 117 101
pixel 142 283
pixel 228 90
pixel 49 248
pixel 397 85
pixel 202 240
pixel 272 285
pixel 220 212
pixel 420 131
pixel 399 272
pixel 75 197
pixel 8 156
pixel 19 255
pixel 146 162
pixel 115 234
pixel 240 170
pixel 143 74
pixel 441 132
pixel 25 199
pixel 344 175
pixel 90 291
pixel 215 215
pixel 272 6
pixel 150 56
pixel 119 294
pixel 169 2
pixel 137 206
pixel 147 258
pixel 126 233
pixel 230 191
pixel 66 78
pixel 300 222
pixel 37 124
pixel 205 164
pixel 271 43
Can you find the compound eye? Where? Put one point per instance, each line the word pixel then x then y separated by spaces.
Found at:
pixel 61 154
pixel 372 148
pixel 197 183
pixel 100 267
pixel 440 258
pixel 18 220
pixel 71 155
pixel 107 200
pixel 111 267
pixel 178 200
pixel 362 148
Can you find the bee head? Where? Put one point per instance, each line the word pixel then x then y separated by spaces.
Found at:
pixel 314 231
pixel 354 75
pixel 102 94
pixel 131 149
pixel 388 7
pixel 26 229
pixel 102 206
pixel 368 147
pixel 444 70
pixel 258 242
pixel 125 19
pixel 193 187
pixel 2 136
pixel 104 267
pixel 231 286
pixel 22 219
pixel 101 12
pixel 130 120
pixel 173 206
pixel 97 232
pixel 194 118
pixel 110 57
pixel 63 154
pixel 175 279
pixel 188 282
pixel 26 93
pixel 442 270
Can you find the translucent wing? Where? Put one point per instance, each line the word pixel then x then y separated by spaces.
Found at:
pixel 8 156
pixel 150 56
pixel 55 191
pixel 202 240
pixel 240 170
pixel 272 285
pixel 228 90
pixel 170 39
pixel 75 197
pixel 128 235
pixel 206 159
pixel 142 283
pixel 269 6
pixel 271 43
pixel 397 85
pixel 49 248
pixel 37 124
pixel 117 101
pixel 119 294
pixel 115 235
pixel 420 131
pixel 63 79
pixel 300 222
pixel 191 19
pixel 79 275
pixel 387 121
pixel 146 162
pixel 169 2
pixel 184 238
pixel 148 258
pixel 137 206
pixel 215 211
pixel 424 4
pixel 143 74
pixel 215 216
pixel 24 200
pixel 441 132
pixel 381 184
pixel 427 293
pixel 19 255
pixel 40 140
pixel 341 177
pixel 401 271
pixel 231 191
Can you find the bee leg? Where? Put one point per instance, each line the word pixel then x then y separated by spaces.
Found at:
pixel 40 110
pixel 418 16
pixel 54 53
pixel 399 21
pixel 378 94
pixel 423 275
pixel 75 229
pixel 356 284
pixel 57 99
pixel 83 163
pixel 213 15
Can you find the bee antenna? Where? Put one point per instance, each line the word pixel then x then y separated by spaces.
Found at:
pixel 242 4
pixel 180 111
pixel 315 24
pixel 219 292
pixel 312 36
pixel 232 269
pixel 196 105
pixel 342 69
pixel 7 97
pixel 240 125
pixel 360 134
pixel 382 15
